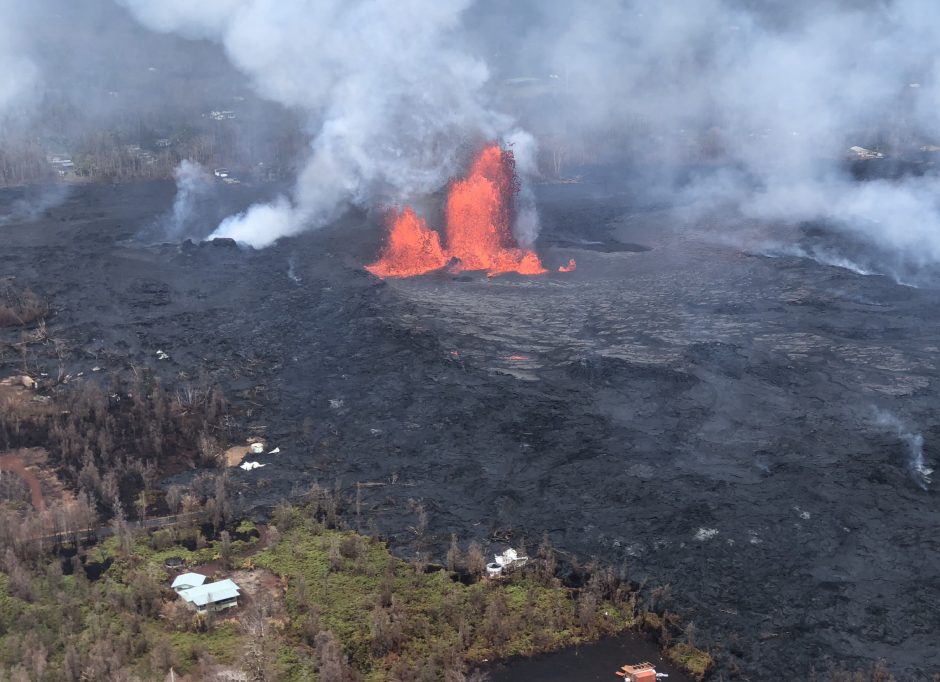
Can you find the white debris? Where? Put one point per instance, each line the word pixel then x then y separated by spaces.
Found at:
pixel 248 466
pixel 257 448
pixel 95 369
pixel 336 404
pixel 509 559
pixel 162 356
pixel 275 451
pixel 703 534
pixel 805 515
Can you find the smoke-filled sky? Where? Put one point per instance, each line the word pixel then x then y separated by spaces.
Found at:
pixel 17 71
pixel 393 93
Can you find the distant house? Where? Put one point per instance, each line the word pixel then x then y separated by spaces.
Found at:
pixel 867 154
pixel 642 672
pixel 215 596
pixel 62 163
pixel 203 596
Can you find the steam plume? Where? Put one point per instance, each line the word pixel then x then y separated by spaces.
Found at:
pixel 18 73
pixel 34 203
pixel 393 93
pixel 390 94
pixel 920 472
pixel 778 94
pixel 192 182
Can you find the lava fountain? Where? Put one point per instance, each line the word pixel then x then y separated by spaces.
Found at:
pixel 413 248
pixel 479 218
pixel 478 230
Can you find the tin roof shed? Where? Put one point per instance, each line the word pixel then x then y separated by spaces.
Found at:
pixel 211 593
pixel 185 581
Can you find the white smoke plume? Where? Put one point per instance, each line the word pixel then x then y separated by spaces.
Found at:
pixel 766 97
pixel 18 72
pixel 920 472
pixel 525 151
pixel 192 182
pixel 33 204
pixel 390 95
pixel 394 92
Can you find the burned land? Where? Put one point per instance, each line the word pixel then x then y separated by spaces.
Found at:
pixel 752 431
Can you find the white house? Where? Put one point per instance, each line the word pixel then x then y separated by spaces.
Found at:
pixel 216 596
pixel 193 588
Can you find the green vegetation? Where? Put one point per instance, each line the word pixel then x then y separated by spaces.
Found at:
pixel 393 618
pixel 125 625
pixel 318 603
pixel 695 661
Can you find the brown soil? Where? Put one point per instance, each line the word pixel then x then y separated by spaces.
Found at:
pixel 32 466
pixel 257 581
pixel 13 396
pixel 235 455
pixel 13 462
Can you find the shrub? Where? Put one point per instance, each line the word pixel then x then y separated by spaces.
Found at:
pixel 19 307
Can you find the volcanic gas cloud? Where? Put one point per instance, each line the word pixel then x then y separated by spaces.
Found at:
pixel 478 231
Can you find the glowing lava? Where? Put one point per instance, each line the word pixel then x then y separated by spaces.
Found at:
pixel 479 216
pixel 568 268
pixel 478 231
pixel 412 249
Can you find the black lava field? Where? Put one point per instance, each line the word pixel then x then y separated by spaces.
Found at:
pixel 740 424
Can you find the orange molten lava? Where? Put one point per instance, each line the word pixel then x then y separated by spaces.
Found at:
pixel 412 249
pixel 479 213
pixel 478 231
pixel 568 268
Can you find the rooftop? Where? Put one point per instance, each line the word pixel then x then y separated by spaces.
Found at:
pixel 211 593
pixel 188 580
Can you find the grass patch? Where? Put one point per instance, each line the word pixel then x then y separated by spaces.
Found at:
pixel 19 307
pixel 695 661
pixel 386 614
pixel 223 643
